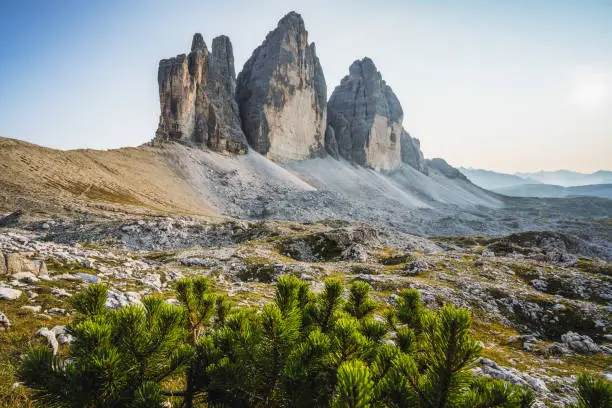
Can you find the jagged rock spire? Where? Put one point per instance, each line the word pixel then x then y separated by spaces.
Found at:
pixel 198 44
pixel 197 98
pixel 364 122
pixel 282 95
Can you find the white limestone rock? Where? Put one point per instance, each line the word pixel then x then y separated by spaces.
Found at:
pixel 33 309
pixel 9 293
pixel 50 336
pixel 117 299
pixel 5 323
pixel 62 335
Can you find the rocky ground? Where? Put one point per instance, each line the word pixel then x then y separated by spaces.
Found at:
pixel 541 302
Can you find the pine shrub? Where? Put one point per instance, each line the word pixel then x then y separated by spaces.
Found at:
pixel 301 350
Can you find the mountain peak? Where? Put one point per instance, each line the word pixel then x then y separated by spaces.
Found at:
pixel 364 122
pixel 282 95
pixel 292 20
pixel 198 44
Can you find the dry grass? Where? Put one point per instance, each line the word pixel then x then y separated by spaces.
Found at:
pixel 18 340
pixel 129 180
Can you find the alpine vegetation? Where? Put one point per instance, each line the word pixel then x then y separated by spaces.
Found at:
pixel 301 350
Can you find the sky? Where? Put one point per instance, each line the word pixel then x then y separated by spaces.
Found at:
pixel 506 86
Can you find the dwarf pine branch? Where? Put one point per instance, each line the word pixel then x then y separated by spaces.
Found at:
pixel 301 350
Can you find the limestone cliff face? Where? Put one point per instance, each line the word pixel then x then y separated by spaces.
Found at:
pixel 281 94
pixel 196 94
pixel 364 122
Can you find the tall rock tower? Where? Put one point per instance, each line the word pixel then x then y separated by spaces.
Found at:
pixel 282 95
pixel 364 122
pixel 196 93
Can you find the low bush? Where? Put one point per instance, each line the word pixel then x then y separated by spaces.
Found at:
pixel 302 350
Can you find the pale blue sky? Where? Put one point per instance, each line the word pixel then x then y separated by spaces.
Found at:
pixel 507 86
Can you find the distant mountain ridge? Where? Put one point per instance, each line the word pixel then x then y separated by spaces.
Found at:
pixel 568 178
pixel 492 180
pixel 549 190
pixel 560 183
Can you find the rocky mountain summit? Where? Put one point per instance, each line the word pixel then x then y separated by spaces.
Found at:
pixel 279 104
pixel 282 94
pixel 197 101
pixel 364 122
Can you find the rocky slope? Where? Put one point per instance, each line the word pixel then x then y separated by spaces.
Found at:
pixel 142 180
pixel 176 179
pixel 197 98
pixel 541 313
pixel 282 94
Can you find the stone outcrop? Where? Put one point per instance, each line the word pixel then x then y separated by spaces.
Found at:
pixel 5 323
pixel 13 264
pixel 9 293
pixel 364 122
pixel 348 243
pixel 411 152
pixel 446 169
pixel 11 220
pixel 580 343
pixel 282 95
pixel 196 94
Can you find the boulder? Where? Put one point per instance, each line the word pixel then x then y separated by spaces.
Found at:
pixel 416 267
pixel 557 350
pixel 282 95
pixel 51 339
pixel 16 263
pixel 152 280
pixel 59 292
pixel 196 93
pixel 9 293
pixel 5 323
pixel 62 335
pixel 580 343
pixel 33 309
pixel 117 299
pixel 3 270
pixel 27 277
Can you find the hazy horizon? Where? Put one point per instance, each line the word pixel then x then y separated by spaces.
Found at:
pixel 517 87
